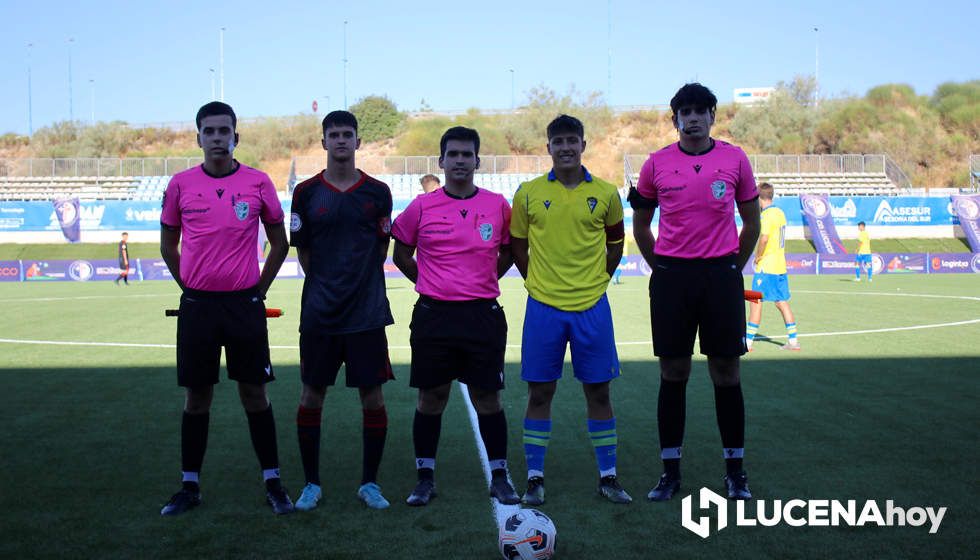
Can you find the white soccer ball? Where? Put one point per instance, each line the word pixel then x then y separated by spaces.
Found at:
pixel 527 535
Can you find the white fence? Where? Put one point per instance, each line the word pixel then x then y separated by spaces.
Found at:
pixel 95 167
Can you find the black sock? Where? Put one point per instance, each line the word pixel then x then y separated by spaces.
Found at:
pixel 375 432
pixel 671 413
pixel 193 443
pixel 493 430
pixel 308 431
pixel 426 429
pixel 262 427
pixel 730 411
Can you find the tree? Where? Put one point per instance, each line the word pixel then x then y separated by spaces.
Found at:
pixel 377 117
pixel 525 130
pixel 786 123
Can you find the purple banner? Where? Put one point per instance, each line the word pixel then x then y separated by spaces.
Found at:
pixel 819 221
pixel 155 269
pixel 67 210
pixel 10 271
pixel 830 264
pixel 898 263
pixel 796 263
pixel 77 271
pixel 967 210
pixel 943 263
pixel 881 263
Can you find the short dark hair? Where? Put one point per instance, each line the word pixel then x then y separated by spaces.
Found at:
pixel 339 118
pixel 696 95
pixel 765 191
pixel 564 124
pixel 462 134
pixel 125 233
pixel 429 178
pixel 861 224
pixel 216 108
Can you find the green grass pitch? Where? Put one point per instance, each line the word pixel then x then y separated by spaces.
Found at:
pixel 872 408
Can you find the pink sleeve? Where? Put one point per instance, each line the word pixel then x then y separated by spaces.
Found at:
pixel 271 207
pixel 745 190
pixel 505 210
pixel 645 185
pixel 171 204
pixel 405 229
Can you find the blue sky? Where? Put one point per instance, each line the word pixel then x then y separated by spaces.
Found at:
pixel 150 62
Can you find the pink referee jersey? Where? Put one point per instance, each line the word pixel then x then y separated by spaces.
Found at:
pixel 457 241
pixel 219 223
pixel 697 196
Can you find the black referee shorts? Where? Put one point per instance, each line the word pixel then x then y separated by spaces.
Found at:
pixel 364 355
pixel 209 321
pixel 462 340
pixel 697 297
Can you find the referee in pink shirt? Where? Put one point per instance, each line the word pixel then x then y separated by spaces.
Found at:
pixel 696 288
pixel 454 244
pixel 209 228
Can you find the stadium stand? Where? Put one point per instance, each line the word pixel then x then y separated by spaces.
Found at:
pixel 792 174
pixel 85 188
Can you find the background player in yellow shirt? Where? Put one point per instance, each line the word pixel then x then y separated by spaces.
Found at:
pixel 863 257
pixel 770 271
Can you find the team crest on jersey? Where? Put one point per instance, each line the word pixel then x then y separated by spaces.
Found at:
pixel 486 231
pixel 241 209
pixel 463 212
pixel 718 189
pixel 592 202
pixel 219 192
pixel 295 222
pixel 697 168
pixel 547 204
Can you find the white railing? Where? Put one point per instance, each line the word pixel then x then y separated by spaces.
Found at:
pixel 94 167
pixel 420 165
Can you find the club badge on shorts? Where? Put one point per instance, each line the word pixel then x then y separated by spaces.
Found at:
pixel 718 189
pixel 241 209
pixel 486 231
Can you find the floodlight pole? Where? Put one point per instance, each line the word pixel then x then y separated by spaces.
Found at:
pixel 609 52
pixel 345 64
pixel 71 97
pixel 221 60
pixel 30 97
pixel 511 89
pixel 213 95
pixel 816 69
pixel 92 100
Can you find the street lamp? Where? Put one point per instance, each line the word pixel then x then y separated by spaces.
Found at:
pixel 816 69
pixel 71 97
pixel 345 64
pixel 91 83
pixel 30 97
pixel 221 60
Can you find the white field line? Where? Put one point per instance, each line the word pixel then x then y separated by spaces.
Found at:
pixel 518 346
pixel 500 511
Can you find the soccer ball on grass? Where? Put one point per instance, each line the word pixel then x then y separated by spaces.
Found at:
pixel 527 535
